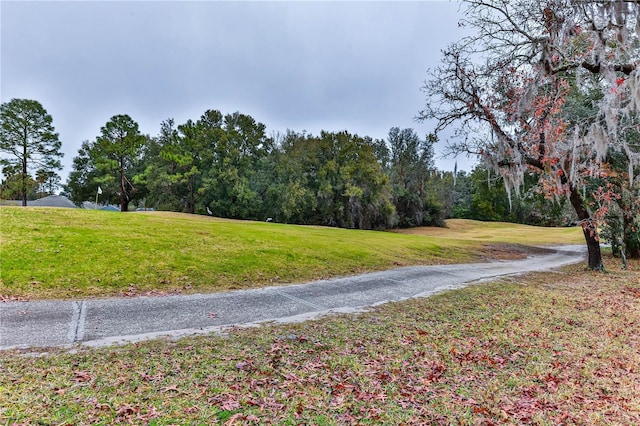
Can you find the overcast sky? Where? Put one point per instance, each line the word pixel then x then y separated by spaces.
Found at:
pixel 327 65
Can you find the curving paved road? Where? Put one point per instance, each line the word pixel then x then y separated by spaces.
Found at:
pixel 98 322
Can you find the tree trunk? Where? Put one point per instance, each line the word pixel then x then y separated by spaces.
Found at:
pixel 24 177
pixel 593 248
pixel 589 230
pixel 124 202
pixel 629 240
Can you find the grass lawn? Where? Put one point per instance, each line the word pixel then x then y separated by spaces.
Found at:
pixel 544 349
pixel 69 253
pixel 499 232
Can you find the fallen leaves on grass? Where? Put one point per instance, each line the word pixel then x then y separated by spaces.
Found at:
pixel 11 298
pixel 542 349
pixel 492 252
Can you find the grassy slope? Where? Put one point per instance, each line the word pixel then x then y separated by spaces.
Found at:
pixel 499 232
pixel 77 253
pixel 545 349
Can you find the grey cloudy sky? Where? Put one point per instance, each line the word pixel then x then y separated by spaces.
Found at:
pixel 301 65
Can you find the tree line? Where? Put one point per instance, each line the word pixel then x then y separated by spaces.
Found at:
pixel 227 166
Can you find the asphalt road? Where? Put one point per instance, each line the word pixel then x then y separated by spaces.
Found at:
pixel 99 322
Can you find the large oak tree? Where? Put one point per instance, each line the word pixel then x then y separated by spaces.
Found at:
pixel 505 86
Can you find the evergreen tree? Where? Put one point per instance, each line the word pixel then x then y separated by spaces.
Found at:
pixel 28 136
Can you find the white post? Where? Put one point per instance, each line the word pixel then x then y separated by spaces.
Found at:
pixel 98 192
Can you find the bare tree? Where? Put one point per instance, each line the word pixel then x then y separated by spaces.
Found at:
pixel 506 86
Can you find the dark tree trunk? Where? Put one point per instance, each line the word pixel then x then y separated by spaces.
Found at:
pixel 589 230
pixel 631 243
pixel 124 201
pixel 23 190
pixel 593 248
pixel 24 176
pixel 588 226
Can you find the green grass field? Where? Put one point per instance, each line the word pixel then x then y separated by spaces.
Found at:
pixel 499 232
pixel 66 253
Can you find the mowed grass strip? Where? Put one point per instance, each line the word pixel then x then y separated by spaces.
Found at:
pixel 69 253
pixel 545 349
pixel 499 232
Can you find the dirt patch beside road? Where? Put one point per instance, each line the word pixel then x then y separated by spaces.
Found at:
pixel 493 252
